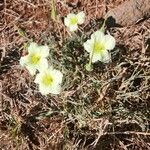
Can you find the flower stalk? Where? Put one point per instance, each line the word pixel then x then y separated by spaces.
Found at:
pixel 53 10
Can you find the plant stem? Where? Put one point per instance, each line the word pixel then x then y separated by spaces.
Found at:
pixel 103 26
pixel 89 65
pixel 53 10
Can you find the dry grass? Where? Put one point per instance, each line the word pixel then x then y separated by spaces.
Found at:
pixel 108 108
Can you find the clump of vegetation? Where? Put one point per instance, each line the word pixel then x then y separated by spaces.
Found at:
pixel 79 85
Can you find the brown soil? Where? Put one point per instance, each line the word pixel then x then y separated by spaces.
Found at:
pixel 106 109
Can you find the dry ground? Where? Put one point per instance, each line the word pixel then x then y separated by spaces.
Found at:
pixel 108 108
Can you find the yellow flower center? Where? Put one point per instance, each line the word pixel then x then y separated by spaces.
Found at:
pixel 35 59
pixel 48 80
pixel 74 20
pixel 98 47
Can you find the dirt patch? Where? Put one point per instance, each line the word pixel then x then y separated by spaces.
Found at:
pixel 129 13
pixel 107 108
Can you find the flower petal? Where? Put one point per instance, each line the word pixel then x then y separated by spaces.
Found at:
pixel 88 45
pixel 56 89
pixel 58 76
pixel 106 56
pixel 71 15
pixel 46 90
pixel 110 42
pixel 32 48
pixel 98 36
pixel 73 28
pixel 67 22
pixel 96 57
pixel 44 50
pixel 24 60
pixel 43 65
pixel 32 70
pixel 81 17
pixel 37 78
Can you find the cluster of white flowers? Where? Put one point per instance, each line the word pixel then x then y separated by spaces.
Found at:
pixel 99 44
pixel 49 79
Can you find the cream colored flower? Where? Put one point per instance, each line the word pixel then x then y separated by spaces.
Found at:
pixel 98 46
pixel 36 58
pixel 49 81
pixel 72 20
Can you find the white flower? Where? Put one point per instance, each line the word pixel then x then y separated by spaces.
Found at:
pixel 36 58
pixel 49 81
pixel 98 46
pixel 72 20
